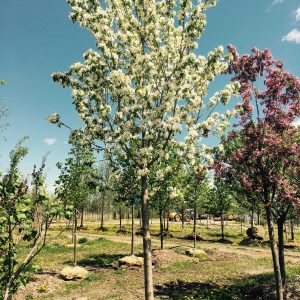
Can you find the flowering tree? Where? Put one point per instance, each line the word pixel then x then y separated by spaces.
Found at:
pixel 144 87
pixel 24 219
pixel 264 156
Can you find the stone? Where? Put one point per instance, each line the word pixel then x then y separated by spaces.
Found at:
pixel 131 261
pixel 73 273
pixel 200 254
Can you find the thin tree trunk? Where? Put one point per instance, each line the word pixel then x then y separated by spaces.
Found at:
pixel 73 228
pixel 81 217
pixel 75 237
pixel 241 226
pixel 280 225
pixel 292 230
pixel 140 212
pixel 148 278
pixel 285 231
pixel 222 226
pixel 195 223
pixel 120 216
pixel 277 273
pixel 132 228
pixel 258 216
pixel 161 229
pixel 182 216
pixel 167 229
pixel 102 214
pixel 207 217
pixel 252 217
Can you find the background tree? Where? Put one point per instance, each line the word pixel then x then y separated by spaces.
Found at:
pixel 241 193
pixel 143 82
pixel 105 188
pixel 73 185
pixel 221 200
pixel 24 219
pixel 267 157
pixel 196 192
pixel 127 190
pixel 164 183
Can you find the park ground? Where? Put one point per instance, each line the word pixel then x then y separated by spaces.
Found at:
pixel 231 272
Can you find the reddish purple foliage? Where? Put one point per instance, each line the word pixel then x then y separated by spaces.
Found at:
pixel 264 156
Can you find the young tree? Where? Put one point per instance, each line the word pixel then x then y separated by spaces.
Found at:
pixel 73 185
pixel 144 87
pixel 104 183
pixel 127 189
pixel 24 219
pixel 165 187
pixel 265 156
pixel 221 200
pixel 196 192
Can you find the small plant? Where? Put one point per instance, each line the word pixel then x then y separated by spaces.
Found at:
pixel 43 289
pixel 24 222
pixel 82 240
pixel 93 277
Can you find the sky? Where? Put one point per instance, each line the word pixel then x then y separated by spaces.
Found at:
pixel 37 38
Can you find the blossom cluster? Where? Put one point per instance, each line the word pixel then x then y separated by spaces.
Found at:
pixel 144 85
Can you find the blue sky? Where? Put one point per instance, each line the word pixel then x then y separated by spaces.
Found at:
pixel 37 38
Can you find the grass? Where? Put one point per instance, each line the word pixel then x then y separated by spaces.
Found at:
pixel 228 275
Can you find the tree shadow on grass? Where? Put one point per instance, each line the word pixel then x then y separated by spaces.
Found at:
pixel 258 287
pixel 99 261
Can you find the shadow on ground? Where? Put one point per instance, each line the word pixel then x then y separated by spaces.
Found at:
pixel 103 261
pixel 258 287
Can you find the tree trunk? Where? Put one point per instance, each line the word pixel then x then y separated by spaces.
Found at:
pixel 280 225
pixel 73 228
pixel 222 226
pixel 161 229
pixel 258 216
pixel 81 217
pixel 102 214
pixel 182 216
pixel 277 274
pixel 207 217
pixel 132 228
pixel 75 237
pixel 292 230
pixel 120 216
pixel 140 213
pixel 195 223
pixel 167 229
pixel 241 227
pixel 252 217
pixel 148 278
